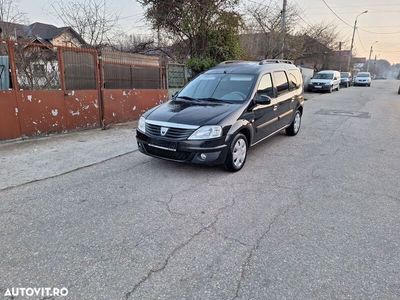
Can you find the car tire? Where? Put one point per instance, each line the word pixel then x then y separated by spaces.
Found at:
pixel 338 88
pixel 294 127
pixel 399 91
pixel 237 154
pixel 330 90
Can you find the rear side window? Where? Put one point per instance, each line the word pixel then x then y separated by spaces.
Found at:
pixel 281 82
pixel 265 87
pixel 295 79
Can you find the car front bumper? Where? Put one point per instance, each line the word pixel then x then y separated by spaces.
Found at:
pixel 364 83
pixel 205 152
pixel 313 88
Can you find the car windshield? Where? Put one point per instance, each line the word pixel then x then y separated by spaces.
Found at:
pixel 363 75
pixel 219 87
pixel 344 75
pixel 323 76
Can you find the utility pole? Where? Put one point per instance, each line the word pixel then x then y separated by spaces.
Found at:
pixel 370 54
pixel 352 41
pixel 158 37
pixel 283 28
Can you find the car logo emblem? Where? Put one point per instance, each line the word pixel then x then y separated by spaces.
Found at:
pixel 163 131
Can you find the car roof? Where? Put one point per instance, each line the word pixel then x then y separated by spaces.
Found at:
pixel 364 73
pixel 328 71
pixel 251 67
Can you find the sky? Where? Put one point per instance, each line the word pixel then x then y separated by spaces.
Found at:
pixel 382 19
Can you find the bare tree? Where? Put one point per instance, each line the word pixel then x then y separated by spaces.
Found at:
pixel 133 43
pixel 325 34
pixel 264 22
pixel 91 19
pixel 263 37
pixel 9 13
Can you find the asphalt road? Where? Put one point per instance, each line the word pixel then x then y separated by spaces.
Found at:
pixel 316 216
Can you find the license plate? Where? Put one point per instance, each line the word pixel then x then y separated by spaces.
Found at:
pixel 318 87
pixel 165 145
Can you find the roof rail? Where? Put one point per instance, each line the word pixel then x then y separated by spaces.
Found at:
pixel 276 61
pixel 231 62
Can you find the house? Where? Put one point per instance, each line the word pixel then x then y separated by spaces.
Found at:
pixel 37 65
pixel 43 33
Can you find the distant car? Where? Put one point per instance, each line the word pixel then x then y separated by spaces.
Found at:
pixel 363 79
pixel 345 79
pixel 325 81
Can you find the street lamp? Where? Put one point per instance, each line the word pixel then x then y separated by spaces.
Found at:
pixel 352 40
pixel 370 53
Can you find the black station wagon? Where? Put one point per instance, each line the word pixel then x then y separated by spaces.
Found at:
pixel 217 116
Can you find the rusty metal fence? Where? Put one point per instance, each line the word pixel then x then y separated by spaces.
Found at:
pixel 131 71
pixel 46 89
pixel 80 69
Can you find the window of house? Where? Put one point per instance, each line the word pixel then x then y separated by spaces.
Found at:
pixel 39 70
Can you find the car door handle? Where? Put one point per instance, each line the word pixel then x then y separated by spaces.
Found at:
pixel 275 107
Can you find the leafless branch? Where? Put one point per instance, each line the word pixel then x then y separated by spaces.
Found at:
pixel 9 13
pixel 91 19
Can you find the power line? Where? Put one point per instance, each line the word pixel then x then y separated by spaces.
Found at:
pixel 374 32
pixel 359 38
pixel 337 16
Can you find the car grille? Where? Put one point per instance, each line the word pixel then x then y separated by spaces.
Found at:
pixel 172 133
pixel 174 155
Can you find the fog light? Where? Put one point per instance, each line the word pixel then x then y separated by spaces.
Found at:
pixel 203 156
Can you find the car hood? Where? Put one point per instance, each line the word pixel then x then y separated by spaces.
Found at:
pixel 321 80
pixel 192 113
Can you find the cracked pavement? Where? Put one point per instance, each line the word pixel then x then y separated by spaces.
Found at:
pixel 314 216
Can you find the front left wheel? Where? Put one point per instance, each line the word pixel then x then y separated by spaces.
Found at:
pixel 237 153
pixel 294 127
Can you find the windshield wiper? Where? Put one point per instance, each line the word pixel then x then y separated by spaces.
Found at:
pixel 211 99
pixel 186 98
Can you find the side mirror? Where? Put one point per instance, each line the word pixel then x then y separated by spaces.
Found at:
pixel 263 99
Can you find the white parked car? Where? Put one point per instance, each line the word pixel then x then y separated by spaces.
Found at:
pixel 363 79
pixel 325 81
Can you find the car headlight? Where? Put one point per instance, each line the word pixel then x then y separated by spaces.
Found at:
pixel 142 125
pixel 206 132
